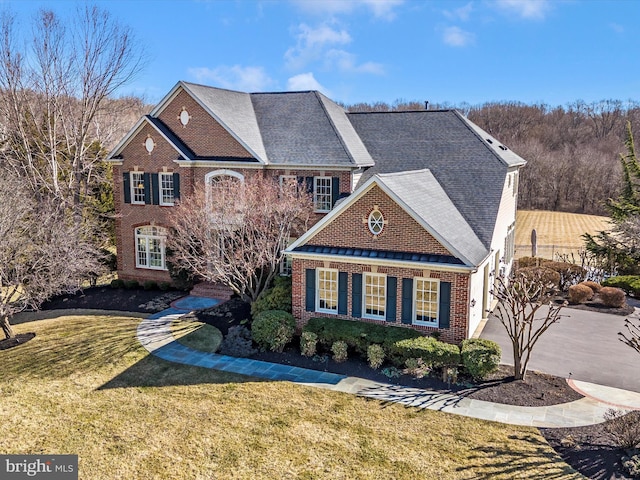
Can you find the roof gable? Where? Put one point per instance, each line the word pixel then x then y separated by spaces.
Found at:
pixel 441 229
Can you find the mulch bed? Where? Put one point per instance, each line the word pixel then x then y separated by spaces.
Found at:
pixel 19 339
pixel 588 449
pixel 107 298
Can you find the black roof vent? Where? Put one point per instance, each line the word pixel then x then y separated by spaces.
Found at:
pixel 502 147
pixel 489 140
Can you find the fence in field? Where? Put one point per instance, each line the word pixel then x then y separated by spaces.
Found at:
pixel 548 251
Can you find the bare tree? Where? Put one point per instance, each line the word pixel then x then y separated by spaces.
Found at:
pixel 235 232
pixel 42 253
pixel 526 311
pixel 632 337
pixel 54 88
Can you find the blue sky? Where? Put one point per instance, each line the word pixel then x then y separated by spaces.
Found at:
pixel 386 50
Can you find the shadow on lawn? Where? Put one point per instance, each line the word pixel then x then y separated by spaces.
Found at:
pixel 152 371
pixel 413 397
pixel 511 464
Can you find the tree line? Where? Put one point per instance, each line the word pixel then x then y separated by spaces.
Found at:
pixel 572 150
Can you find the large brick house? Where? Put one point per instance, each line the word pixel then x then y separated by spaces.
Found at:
pixel 415 211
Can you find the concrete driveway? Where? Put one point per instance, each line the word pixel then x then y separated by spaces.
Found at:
pixel 583 345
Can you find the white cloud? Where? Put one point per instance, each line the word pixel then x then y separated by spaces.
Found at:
pixel 235 77
pixel 528 9
pixel 616 27
pixel 312 42
pixel 456 37
pixel 346 62
pixel 462 13
pixel 305 81
pixel 379 8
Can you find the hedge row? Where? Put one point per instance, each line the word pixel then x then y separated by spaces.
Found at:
pixel 478 356
pixel 628 283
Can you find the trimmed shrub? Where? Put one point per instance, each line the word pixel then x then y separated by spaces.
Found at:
pixel 434 352
pixel 273 329
pixel 612 297
pixel 525 262
pixel 117 283
pixel 131 284
pixel 340 351
pixel 277 297
pixel 358 335
pixel 375 356
pixel 545 275
pixel 237 342
pixel 623 428
pixel 632 465
pixel 594 286
pixel 164 286
pixel 150 285
pixel 416 367
pixel 480 357
pixel 628 283
pixel 570 273
pixel 579 293
pixel 308 344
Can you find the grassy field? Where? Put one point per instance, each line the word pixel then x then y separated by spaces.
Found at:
pixel 84 385
pixel 556 231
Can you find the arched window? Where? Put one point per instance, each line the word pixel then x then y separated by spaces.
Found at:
pixel 210 177
pixel 150 247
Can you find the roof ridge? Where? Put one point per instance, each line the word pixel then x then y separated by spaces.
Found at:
pixel 319 96
pixel 442 110
pixel 403 172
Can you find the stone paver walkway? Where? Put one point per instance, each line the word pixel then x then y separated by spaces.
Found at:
pixel 154 333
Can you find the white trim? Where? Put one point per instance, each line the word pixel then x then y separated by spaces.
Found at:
pixel 133 132
pixel 160 189
pixel 215 163
pixel 146 237
pixel 359 193
pixel 372 316
pixel 414 299
pixel 317 305
pixel 221 173
pixel 443 267
pixel 132 187
pixel 316 194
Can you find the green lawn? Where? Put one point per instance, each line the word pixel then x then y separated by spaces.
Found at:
pixel 83 385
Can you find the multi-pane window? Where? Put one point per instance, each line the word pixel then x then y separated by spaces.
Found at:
pixel 425 301
pixel 375 295
pixel 327 290
pixel 137 187
pixel 150 247
pixel 166 188
pixel 322 194
pixel 509 244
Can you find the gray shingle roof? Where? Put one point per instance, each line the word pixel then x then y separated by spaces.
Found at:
pixel 297 129
pixel 421 193
pixel 469 169
pixel 381 254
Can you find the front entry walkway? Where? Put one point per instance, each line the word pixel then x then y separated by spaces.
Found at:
pixel 154 333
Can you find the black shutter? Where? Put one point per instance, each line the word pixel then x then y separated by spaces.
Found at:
pixel 444 309
pixel 126 186
pixel 407 300
pixel 343 292
pixel 155 189
pixel 176 186
pixel 356 295
pixel 147 188
pixel 309 184
pixel 310 286
pixel 392 288
pixel 335 190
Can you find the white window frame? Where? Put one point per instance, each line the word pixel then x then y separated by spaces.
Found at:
pixel 366 296
pixel 322 199
pixel 284 178
pixel 376 220
pixel 333 283
pixel 135 188
pixel 162 189
pixel 148 238
pixel 414 317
